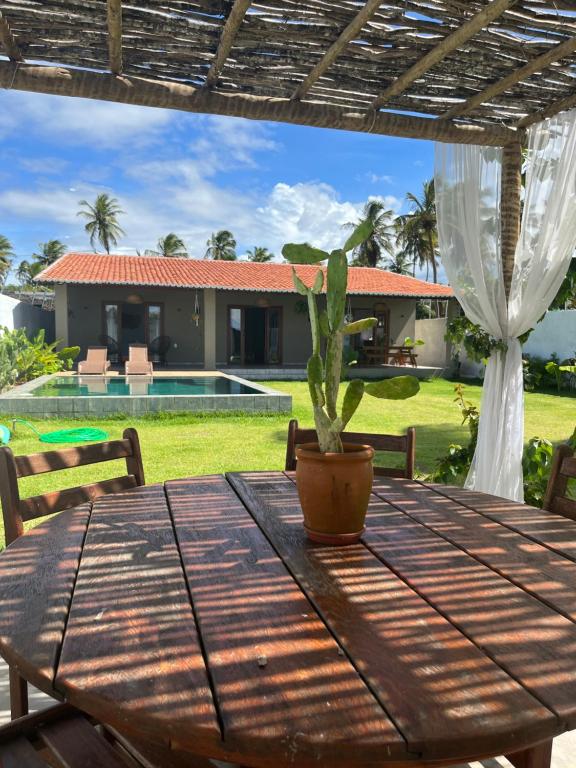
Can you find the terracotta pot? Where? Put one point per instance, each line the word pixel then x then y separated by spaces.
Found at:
pixel 334 491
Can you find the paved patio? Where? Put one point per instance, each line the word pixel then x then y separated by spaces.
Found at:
pixel 564 755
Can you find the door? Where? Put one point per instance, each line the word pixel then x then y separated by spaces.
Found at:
pixel 254 336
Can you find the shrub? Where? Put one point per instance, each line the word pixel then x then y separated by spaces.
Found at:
pixel 23 359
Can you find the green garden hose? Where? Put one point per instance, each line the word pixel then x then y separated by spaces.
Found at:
pixel 80 435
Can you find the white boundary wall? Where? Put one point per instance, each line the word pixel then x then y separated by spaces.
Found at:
pixel 556 334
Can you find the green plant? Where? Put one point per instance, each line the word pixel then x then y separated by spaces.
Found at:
pixel 23 359
pixel 324 370
pixel 536 463
pixel 477 343
pixel 411 343
pixel 457 461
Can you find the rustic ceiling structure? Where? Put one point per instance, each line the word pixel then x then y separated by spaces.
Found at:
pixel 448 70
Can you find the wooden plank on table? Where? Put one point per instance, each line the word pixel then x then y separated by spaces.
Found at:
pixel 551 530
pixel 280 679
pixel 37 573
pixel 131 654
pixel 532 642
pixel 446 696
pixel 531 566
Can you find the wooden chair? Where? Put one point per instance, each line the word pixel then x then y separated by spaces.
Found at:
pixel 17 511
pixel 65 737
pixel 96 362
pixel 396 443
pixel 138 362
pixel 563 470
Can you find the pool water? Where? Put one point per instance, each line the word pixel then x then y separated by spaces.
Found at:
pixel 121 386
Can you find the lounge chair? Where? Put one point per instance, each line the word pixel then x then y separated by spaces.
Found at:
pixel 96 361
pixel 138 362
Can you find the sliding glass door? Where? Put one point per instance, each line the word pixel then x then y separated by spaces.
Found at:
pixel 254 335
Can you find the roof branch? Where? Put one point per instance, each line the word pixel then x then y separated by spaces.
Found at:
pixel 115 36
pixel 443 49
pixel 79 83
pixel 536 65
pixel 347 35
pixel 8 41
pixel 568 102
pixel 231 27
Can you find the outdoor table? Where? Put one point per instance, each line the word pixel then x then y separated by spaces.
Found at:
pixel 196 615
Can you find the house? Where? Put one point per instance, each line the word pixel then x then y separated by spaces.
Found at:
pixel 220 313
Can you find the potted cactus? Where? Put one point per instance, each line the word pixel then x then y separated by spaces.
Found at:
pixel 334 479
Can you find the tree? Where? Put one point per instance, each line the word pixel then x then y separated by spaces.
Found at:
pixel 417 230
pixel 50 252
pixel 369 253
pixel 260 254
pixel 170 246
pixel 27 271
pixel 102 221
pixel 399 264
pixel 221 246
pixel 6 255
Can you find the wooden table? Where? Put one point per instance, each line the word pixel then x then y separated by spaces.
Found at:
pixel 198 616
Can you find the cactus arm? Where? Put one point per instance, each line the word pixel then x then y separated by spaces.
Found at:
pixel 314 322
pixel 315 371
pixel 352 398
pixel 359 325
pixel 337 279
pixel 333 370
pixel 397 388
pixel 302 253
pixel 328 440
pixel 324 324
pixel 360 234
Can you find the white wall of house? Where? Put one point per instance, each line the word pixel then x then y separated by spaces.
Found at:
pixel 21 314
pixel 556 334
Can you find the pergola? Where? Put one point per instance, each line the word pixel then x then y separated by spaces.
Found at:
pixel 475 73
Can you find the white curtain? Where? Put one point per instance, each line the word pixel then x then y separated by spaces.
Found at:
pixel 467 181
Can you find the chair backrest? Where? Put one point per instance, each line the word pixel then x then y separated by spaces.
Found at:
pixel 563 470
pixel 138 353
pixel 96 354
pixel 17 511
pixel 389 443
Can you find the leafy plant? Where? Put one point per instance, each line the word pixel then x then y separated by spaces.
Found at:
pixel 536 463
pixel 325 368
pixel 411 343
pixel 458 459
pixel 477 343
pixel 23 359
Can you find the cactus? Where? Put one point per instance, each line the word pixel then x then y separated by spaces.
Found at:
pixel 325 364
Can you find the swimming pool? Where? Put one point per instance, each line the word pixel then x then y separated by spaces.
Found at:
pixel 120 386
pixel 83 396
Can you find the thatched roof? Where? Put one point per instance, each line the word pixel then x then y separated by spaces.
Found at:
pixel 380 66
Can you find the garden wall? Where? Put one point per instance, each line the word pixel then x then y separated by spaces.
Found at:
pixel 556 334
pixel 20 314
pixel 435 351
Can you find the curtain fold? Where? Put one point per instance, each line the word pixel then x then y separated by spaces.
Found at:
pixel 467 181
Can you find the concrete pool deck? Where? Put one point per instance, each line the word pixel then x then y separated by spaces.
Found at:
pixel 21 401
pixel 563 754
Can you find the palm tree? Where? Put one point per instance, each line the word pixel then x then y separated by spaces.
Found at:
pixel 369 253
pixel 221 246
pixel 50 252
pixel 6 255
pixel 102 224
pixel 260 254
pixel 418 233
pixel 27 271
pixel 170 246
pixel 399 263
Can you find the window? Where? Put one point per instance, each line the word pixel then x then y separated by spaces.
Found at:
pixel 112 321
pixel 154 321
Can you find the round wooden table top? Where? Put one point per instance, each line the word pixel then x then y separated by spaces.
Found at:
pixel 196 615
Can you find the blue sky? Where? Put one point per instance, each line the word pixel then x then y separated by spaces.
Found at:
pixel 190 174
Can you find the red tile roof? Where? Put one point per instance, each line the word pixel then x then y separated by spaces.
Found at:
pixel 98 269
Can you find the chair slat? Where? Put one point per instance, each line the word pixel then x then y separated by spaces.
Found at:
pixel 562 506
pixel 563 470
pixel 57 501
pixel 50 461
pixel 20 754
pixel 568 467
pixel 77 744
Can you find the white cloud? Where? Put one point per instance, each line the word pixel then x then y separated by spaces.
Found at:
pixel 43 166
pixel 375 178
pixel 80 121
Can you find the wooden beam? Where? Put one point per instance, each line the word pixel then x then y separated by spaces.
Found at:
pixel 568 102
pixel 231 27
pixel 445 48
pixel 510 208
pixel 536 65
pixel 348 34
pixel 157 93
pixel 8 41
pixel 115 36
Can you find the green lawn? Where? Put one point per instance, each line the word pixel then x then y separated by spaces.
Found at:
pixel 181 445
